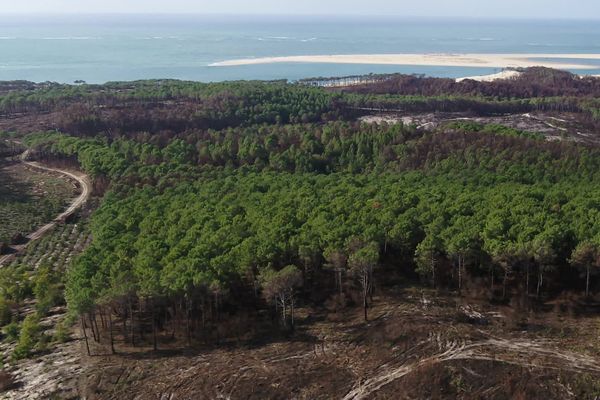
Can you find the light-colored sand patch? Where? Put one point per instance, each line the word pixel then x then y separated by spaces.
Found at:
pixel 508 74
pixel 445 60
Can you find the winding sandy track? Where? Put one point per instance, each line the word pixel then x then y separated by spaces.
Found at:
pixel 84 183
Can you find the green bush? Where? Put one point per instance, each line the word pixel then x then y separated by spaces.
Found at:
pixel 46 289
pixel 61 333
pixel 29 337
pixel 11 331
pixel 5 311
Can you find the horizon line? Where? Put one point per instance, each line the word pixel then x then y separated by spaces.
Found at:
pixel 294 15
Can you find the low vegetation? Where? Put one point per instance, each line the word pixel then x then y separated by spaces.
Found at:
pixel 28 199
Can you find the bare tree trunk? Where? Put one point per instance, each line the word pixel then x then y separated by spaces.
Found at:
pixel 110 333
pixel 132 327
pixel 102 322
pixel 92 327
pixel 283 312
pixel 124 326
pixel 141 311
pixel 587 281
pixel 527 281
pixel 432 269
pixel 154 341
pixel 365 306
pixel 167 319
pixel 365 285
pixel 459 275
pixel 187 322
pixel 87 344
pixel 504 283
pixel 95 321
pixel 539 283
pixel 292 312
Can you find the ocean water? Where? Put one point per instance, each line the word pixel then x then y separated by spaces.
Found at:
pixel 104 48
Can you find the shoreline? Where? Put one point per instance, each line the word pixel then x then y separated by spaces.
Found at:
pixel 439 60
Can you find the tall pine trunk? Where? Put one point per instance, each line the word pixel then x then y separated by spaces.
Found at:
pixel 132 325
pixel 154 341
pixel 587 281
pixel 87 344
pixel 527 280
pixel 110 333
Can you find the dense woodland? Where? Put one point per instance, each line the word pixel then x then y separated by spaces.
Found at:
pixel 222 200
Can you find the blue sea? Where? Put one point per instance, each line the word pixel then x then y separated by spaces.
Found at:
pixel 104 48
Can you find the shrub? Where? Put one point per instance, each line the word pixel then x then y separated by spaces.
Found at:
pixel 11 331
pixel 5 311
pixel 61 333
pixel 46 290
pixel 28 338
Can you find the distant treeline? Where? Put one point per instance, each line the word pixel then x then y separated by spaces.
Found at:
pixel 166 106
pixel 531 83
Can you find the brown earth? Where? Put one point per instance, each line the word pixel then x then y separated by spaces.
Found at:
pixel 418 345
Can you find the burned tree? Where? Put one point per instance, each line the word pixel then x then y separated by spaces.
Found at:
pixel 362 263
pixel 279 287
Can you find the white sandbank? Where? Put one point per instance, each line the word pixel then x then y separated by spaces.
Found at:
pixel 443 60
pixel 508 74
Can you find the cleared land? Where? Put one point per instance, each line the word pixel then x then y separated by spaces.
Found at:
pixel 424 346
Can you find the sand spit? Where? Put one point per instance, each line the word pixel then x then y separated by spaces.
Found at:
pixel 444 60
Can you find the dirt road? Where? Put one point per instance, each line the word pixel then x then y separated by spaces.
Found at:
pixel 84 183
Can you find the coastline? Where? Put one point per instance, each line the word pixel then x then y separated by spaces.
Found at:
pixel 442 60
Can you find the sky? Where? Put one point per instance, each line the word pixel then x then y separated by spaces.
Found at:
pixel 586 9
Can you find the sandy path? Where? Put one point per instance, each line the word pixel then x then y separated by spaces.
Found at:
pixel 445 60
pixel 84 183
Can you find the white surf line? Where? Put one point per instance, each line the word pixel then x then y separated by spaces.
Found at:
pixel 83 181
pixel 560 61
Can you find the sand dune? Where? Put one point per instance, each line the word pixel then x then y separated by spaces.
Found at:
pixel 508 74
pixel 446 60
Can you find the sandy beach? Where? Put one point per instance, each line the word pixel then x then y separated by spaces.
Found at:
pixel 445 60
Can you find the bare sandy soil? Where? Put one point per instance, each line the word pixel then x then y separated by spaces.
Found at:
pixel 52 374
pixel 562 126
